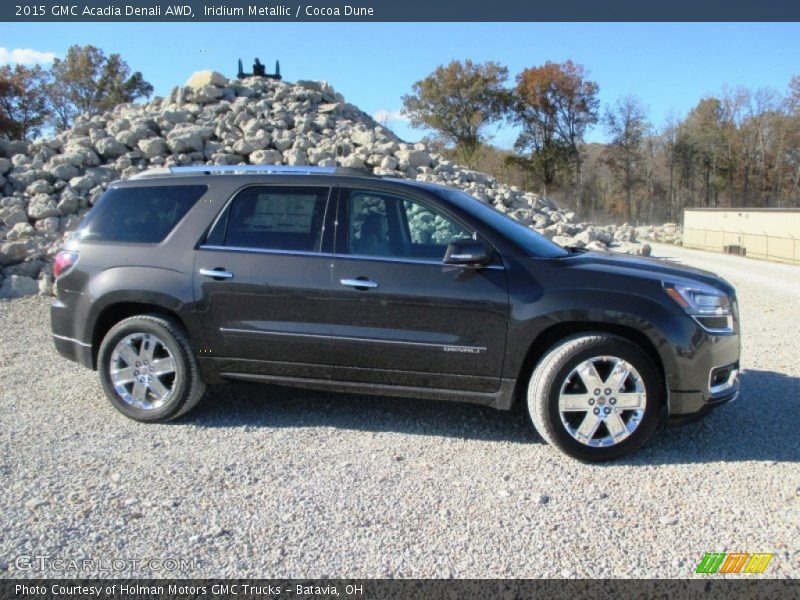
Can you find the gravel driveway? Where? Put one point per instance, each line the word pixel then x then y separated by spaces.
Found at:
pixel 262 481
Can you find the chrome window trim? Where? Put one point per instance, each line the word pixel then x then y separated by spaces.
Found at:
pixel 389 259
pixel 412 261
pixel 263 250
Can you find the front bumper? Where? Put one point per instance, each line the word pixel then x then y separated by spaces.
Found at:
pixel 686 407
pixel 708 373
pixel 704 366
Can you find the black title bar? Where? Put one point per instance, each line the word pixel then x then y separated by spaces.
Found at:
pixel 398 10
pixel 712 588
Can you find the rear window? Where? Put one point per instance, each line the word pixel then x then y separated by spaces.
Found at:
pixel 139 214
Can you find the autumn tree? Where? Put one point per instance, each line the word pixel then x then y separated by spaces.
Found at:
pixel 554 105
pixel 87 81
pixel 459 101
pixel 627 126
pixel 22 101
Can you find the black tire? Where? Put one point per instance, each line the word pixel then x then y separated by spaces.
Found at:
pixel 553 371
pixel 188 386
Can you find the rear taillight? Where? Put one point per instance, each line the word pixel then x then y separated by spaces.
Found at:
pixel 65 260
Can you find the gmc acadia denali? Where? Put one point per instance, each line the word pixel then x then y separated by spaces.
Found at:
pixel 340 280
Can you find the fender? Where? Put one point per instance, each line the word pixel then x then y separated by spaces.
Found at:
pixel 588 308
pixel 165 288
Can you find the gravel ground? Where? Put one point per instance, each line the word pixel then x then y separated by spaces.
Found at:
pixel 262 481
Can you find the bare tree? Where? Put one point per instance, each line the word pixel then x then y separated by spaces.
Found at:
pixel 626 123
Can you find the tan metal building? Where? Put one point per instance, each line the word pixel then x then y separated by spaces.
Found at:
pixel 769 233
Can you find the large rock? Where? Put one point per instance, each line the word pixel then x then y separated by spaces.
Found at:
pixel 352 161
pixel 110 148
pixel 67 205
pixel 85 182
pixel 41 207
pixel 131 137
pixel 295 156
pixel 18 286
pixel 65 171
pixel 12 252
pixel 20 231
pixel 15 216
pixel 153 147
pixel 413 159
pixel 203 78
pixel 568 242
pixel 29 268
pixel 207 94
pixel 266 157
pixel 188 138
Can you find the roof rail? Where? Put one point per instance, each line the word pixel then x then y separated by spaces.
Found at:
pixel 253 170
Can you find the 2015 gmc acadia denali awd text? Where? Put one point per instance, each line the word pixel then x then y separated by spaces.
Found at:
pixel 340 280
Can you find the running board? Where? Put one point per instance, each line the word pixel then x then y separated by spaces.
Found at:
pixel 501 399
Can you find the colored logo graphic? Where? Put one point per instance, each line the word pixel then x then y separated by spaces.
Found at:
pixel 735 562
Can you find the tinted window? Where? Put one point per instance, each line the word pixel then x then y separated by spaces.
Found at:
pixel 139 214
pixel 277 218
pixel 530 241
pixel 385 225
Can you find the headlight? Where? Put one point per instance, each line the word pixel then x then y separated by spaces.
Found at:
pixel 710 308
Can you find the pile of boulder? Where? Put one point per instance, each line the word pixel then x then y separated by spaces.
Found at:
pixel 47 185
pixel 668 233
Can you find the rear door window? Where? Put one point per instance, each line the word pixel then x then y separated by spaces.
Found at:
pixel 144 214
pixel 273 218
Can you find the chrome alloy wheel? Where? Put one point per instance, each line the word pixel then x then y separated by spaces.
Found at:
pixel 602 401
pixel 143 371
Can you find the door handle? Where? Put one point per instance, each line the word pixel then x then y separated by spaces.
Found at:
pixel 218 273
pixel 364 284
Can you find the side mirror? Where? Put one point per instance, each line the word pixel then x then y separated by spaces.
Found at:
pixel 467 253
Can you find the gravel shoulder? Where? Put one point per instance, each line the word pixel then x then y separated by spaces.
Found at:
pixel 269 482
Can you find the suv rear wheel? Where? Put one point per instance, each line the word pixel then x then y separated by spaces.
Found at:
pixel 148 369
pixel 595 396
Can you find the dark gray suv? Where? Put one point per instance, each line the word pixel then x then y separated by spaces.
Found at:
pixel 326 278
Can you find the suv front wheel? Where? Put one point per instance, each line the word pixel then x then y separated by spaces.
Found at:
pixel 595 396
pixel 148 369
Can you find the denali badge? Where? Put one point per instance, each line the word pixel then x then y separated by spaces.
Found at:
pixel 465 349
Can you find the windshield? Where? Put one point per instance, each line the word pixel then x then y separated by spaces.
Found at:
pixel 533 243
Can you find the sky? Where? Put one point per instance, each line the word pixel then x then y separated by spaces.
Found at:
pixel 668 66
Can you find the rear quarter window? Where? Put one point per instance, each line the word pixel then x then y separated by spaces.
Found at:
pixel 139 214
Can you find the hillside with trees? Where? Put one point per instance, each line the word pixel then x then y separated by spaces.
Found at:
pixel 740 148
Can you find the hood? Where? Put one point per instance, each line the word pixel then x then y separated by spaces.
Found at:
pixel 645 267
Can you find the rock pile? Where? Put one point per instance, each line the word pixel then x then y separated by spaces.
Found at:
pixel 47 185
pixel 668 233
